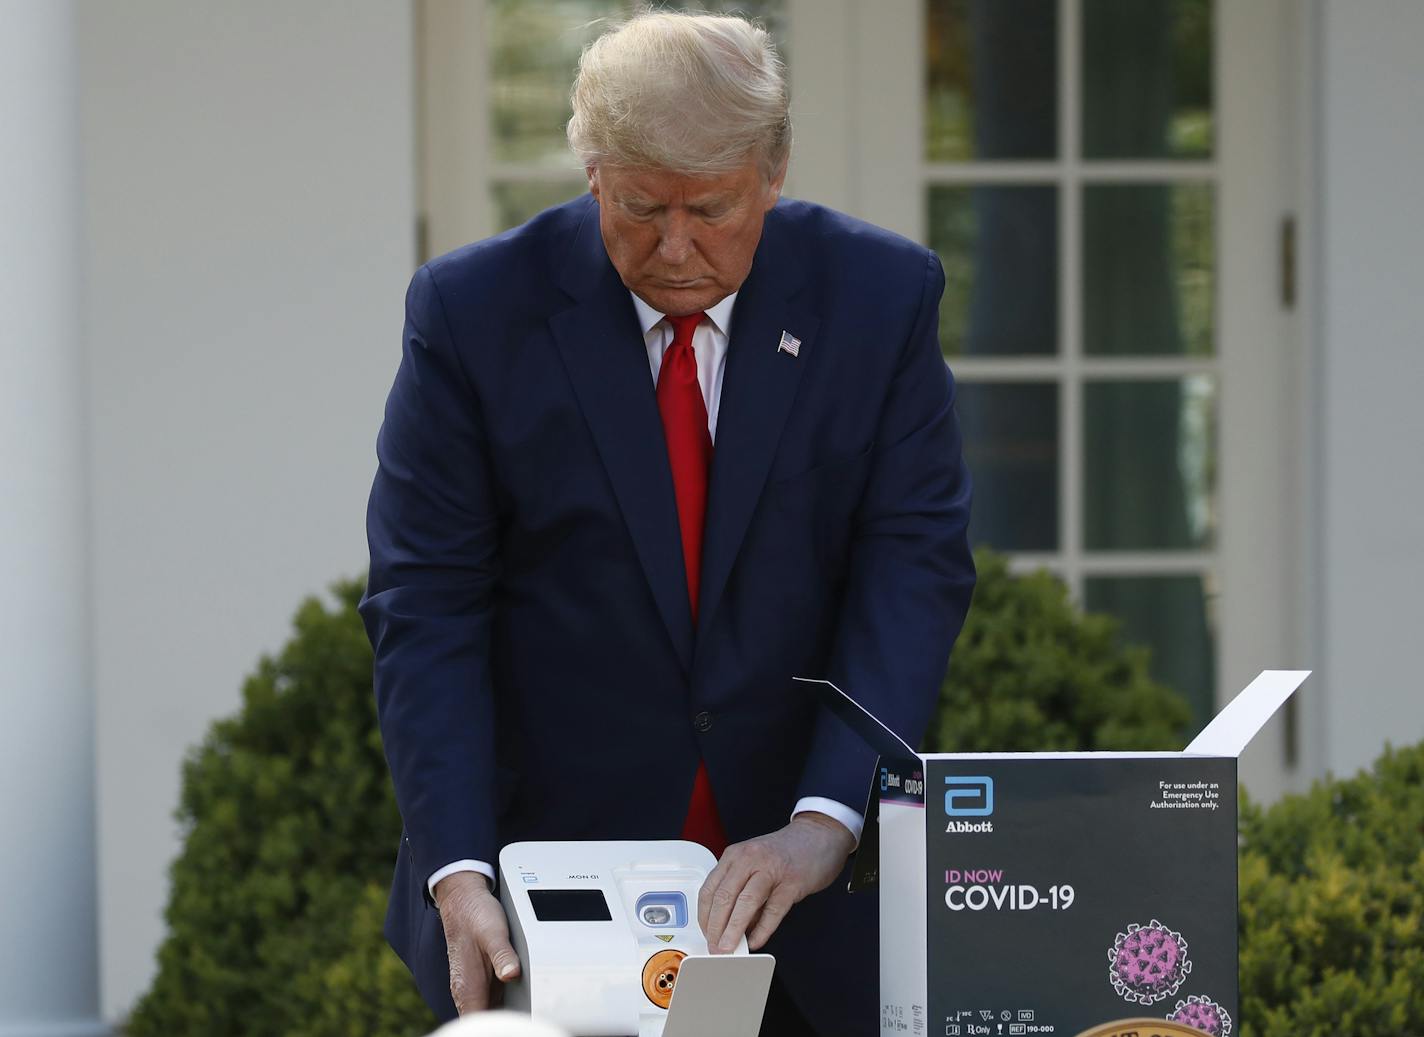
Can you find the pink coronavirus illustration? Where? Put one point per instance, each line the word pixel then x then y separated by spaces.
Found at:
pixel 1147 963
pixel 1204 1014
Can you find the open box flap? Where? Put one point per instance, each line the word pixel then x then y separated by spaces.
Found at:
pixel 1235 726
pixel 865 862
pixel 895 753
pixel 860 720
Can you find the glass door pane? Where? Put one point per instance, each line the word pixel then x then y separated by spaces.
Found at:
pixel 1149 263
pixel 534 51
pixel 1172 616
pixel 1011 446
pixel 1147 79
pixel 1149 464
pixel 999 246
pixel 992 79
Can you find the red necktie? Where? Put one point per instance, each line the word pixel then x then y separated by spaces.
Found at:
pixel 689 447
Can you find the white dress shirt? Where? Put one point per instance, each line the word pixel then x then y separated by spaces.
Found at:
pixel 709 346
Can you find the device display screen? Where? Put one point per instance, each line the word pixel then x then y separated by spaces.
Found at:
pixel 569 905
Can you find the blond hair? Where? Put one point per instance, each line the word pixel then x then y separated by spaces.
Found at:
pixel 691 93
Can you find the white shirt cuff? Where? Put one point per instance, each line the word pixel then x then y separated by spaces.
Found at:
pixel 450 869
pixel 852 819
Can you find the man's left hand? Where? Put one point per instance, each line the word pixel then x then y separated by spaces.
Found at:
pixel 756 882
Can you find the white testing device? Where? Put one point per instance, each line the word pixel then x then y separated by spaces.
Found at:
pixel 608 938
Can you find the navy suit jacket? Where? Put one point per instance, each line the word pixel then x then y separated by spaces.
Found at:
pixel 538 673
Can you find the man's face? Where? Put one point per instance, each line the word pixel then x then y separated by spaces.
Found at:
pixel 682 243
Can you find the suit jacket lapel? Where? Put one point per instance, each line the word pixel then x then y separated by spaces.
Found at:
pixel 604 355
pixel 758 387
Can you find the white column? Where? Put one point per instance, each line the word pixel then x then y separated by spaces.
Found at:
pixel 48 956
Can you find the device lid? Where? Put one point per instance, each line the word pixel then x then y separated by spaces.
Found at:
pixel 720 995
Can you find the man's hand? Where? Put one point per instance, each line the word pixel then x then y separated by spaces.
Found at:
pixel 757 882
pixel 477 936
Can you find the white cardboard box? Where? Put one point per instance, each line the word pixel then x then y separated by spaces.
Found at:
pixel 1045 893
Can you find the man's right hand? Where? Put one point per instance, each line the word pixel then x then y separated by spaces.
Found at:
pixel 477 936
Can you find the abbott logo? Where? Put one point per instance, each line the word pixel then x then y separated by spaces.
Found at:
pixel 969 797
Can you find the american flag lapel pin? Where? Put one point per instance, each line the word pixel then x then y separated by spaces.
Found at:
pixel 789 344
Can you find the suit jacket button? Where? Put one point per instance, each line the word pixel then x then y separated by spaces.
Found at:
pixel 703 722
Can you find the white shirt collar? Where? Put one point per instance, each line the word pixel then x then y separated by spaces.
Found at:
pixel 720 315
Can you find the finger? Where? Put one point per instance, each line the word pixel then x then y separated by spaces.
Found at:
pixel 709 886
pixel 722 901
pixel 773 912
pixel 492 934
pixel 503 961
pixel 748 905
pixel 469 977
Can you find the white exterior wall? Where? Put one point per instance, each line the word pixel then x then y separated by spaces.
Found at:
pixel 250 206
pixel 1370 379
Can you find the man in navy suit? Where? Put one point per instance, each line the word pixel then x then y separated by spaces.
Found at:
pixel 646 458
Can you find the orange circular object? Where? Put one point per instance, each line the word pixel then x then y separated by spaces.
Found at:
pixel 660 976
pixel 1141 1027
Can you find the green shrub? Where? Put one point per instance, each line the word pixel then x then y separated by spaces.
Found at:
pixel 274 916
pixel 1332 907
pixel 1031 673
pixel 290 826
